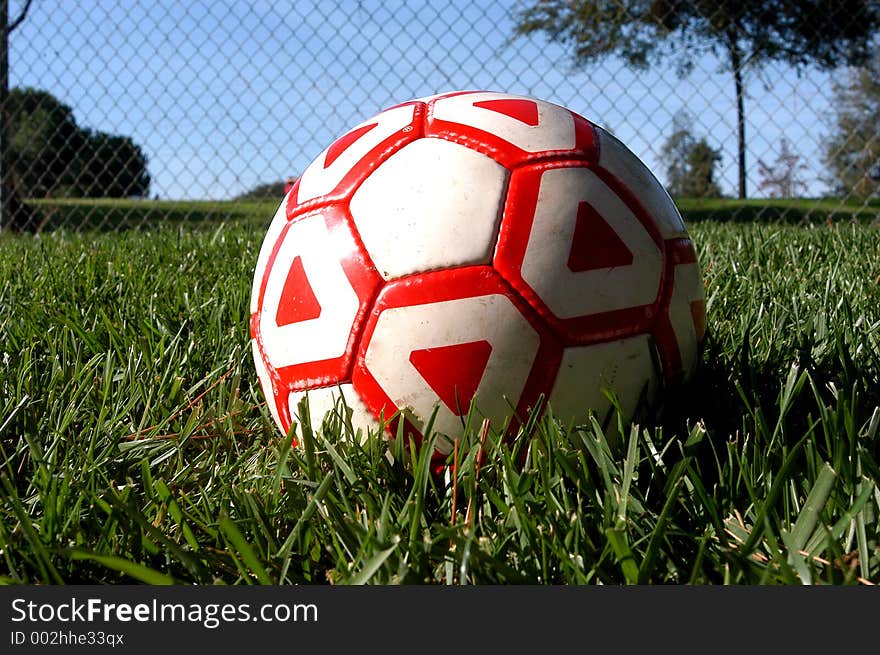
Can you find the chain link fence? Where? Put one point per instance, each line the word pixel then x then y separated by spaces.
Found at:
pixel 120 113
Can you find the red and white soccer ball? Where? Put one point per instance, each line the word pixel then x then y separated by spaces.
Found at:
pixel 474 246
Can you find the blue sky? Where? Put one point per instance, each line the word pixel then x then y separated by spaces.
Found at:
pixel 225 95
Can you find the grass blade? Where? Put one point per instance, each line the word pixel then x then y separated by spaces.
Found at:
pixel 815 502
pixel 625 557
pixel 232 533
pixel 127 567
pixel 372 565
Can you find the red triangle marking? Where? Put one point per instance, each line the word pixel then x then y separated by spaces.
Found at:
pixel 595 244
pixel 453 372
pixel 341 144
pixel 525 111
pixel 298 302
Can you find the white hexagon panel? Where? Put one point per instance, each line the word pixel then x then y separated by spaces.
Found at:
pixel 350 158
pixel 415 205
pixel 439 341
pixel 309 305
pixel 624 369
pixel 571 245
pixel 340 399
pixel 511 129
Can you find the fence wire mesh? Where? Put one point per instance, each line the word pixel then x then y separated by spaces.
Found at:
pixel 120 113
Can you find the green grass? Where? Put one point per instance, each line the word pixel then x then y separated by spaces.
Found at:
pixel 801 211
pixel 135 446
pixel 108 214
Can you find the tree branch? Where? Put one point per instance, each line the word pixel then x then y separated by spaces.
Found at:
pixel 21 17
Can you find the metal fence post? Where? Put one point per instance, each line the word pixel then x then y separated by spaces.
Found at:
pixel 5 177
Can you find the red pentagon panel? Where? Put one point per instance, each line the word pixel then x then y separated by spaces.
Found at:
pixel 459 127
pixel 353 156
pixel 364 280
pixel 452 370
pixel 595 246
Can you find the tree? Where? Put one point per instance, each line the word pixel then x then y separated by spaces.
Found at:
pixel 52 155
pixel 675 153
pixel 690 162
pixel 265 191
pixel 853 150
pixel 824 33
pixel 111 166
pixel 782 178
pixel 44 140
pixel 13 212
pixel 700 180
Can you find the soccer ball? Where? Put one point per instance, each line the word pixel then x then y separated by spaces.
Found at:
pixel 474 255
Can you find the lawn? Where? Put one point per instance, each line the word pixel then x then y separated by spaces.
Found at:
pixel 135 446
pixel 106 214
pixel 794 211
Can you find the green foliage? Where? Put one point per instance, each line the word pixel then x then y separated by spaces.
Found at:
pixel 109 166
pixel 700 180
pixel 52 155
pixel 690 162
pixel 266 191
pixel 853 148
pixel 44 139
pixel 826 33
pixel 135 444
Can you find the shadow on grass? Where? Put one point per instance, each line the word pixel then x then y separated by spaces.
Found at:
pixel 774 404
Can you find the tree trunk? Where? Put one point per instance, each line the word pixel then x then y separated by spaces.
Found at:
pixel 14 214
pixel 736 64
